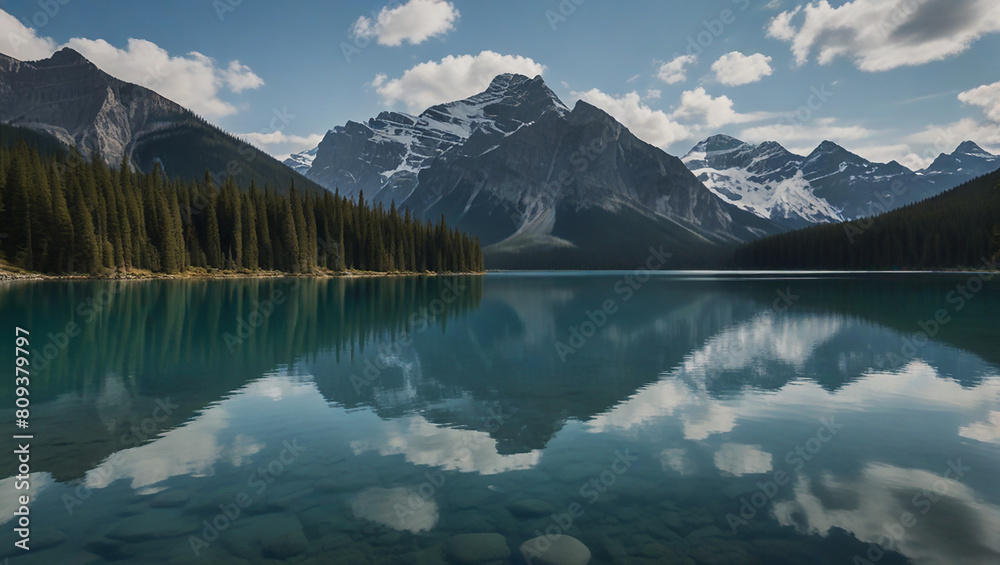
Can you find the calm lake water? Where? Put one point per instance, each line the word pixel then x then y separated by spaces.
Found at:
pixel 688 419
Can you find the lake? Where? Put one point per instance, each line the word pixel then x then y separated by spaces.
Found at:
pixel 689 418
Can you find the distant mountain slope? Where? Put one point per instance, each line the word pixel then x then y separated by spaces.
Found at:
pixel 541 185
pixel 68 97
pixel 830 184
pixel 957 229
pixel 46 144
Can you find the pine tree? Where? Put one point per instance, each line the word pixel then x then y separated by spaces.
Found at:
pixel 212 239
pixel 264 246
pixel 85 256
pixel 310 240
pixel 249 237
pixel 288 236
pixel 302 245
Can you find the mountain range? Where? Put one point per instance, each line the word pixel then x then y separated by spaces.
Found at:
pixel 831 184
pixel 532 178
pixel 69 98
pixel 540 184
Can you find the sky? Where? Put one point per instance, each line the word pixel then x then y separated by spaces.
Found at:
pixel 887 79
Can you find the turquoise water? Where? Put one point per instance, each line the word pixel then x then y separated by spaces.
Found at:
pixel 696 419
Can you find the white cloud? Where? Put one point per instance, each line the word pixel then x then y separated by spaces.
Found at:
pixel 696 112
pixel 194 80
pixel 879 35
pixel 901 152
pixel 675 71
pixel 944 138
pixel 914 162
pixel 781 27
pixel 699 105
pixel 986 97
pixel 921 148
pixel 281 145
pixel 452 78
pixel 239 77
pixel 810 134
pixel 413 22
pixel 22 42
pixel 652 126
pixel 734 69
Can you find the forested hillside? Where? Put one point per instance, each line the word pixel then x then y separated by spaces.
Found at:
pixel 191 145
pixel 957 229
pixel 60 213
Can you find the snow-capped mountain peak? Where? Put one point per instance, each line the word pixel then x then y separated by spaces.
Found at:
pixel 970 148
pixel 384 156
pixel 301 162
pixel 969 160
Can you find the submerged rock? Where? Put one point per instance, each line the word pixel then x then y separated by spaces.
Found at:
pixel 477 548
pixel 154 524
pixel 47 539
pixel 469 498
pixel 286 545
pixel 277 536
pixel 672 519
pixel 556 550
pixel 706 532
pixel 531 507
pixel 396 508
pixel 110 550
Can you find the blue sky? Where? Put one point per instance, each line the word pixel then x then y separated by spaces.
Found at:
pixel 889 79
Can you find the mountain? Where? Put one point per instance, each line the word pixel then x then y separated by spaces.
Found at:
pixel 967 162
pixel 959 228
pixel 302 162
pixel 764 179
pixel 831 184
pixel 68 97
pixel 541 185
pixel 383 156
pixel 860 187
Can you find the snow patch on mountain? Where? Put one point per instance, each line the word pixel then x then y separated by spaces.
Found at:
pixel 766 180
pixel 789 199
